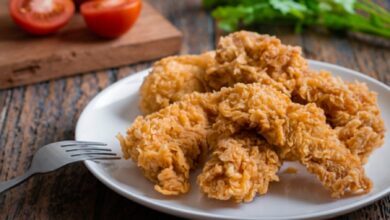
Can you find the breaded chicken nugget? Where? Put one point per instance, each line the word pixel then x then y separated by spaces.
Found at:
pixel 240 167
pixel 173 77
pixel 167 144
pixel 351 108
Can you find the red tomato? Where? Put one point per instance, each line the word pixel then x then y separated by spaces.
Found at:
pixel 41 17
pixel 110 18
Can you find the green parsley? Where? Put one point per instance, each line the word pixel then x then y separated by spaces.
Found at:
pixel 346 15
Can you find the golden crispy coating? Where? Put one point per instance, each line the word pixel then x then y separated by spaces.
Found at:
pixel 299 132
pixel 350 107
pixel 240 167
pixel 216 76
pixel 171 78
pixel 167 144
pixel 284 111
pixel 267 54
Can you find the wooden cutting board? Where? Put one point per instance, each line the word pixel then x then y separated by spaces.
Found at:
pixel 26 59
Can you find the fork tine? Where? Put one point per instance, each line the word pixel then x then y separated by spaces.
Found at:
pixel 81 143
pixel 93 158
pixel 93 154
pixel 89 149
pixel 105 158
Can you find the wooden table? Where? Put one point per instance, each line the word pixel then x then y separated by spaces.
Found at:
pixel 35 115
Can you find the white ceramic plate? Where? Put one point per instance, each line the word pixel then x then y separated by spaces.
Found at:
pixel 298 196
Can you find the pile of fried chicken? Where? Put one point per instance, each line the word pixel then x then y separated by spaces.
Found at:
pixel 243 109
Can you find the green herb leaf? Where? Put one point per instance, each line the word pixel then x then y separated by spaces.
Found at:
pixel 342 15
pixel 287 6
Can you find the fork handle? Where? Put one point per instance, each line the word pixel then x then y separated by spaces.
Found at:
pixel 14 182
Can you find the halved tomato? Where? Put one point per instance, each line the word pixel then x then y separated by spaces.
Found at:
pixel 110 18
pixel 41 17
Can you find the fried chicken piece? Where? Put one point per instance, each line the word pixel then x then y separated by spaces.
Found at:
pixel 267 54
pixel 240 167
pixel 299 132
pixel 350 107
pixel 167 144
pixel 173 77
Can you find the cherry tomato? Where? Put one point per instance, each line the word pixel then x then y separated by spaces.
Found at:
pixel 41 17
pixel 110 18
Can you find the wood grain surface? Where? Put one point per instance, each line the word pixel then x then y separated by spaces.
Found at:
pixel 74 49
pixel 34 115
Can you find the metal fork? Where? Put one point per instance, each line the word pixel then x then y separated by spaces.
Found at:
pixel 56 155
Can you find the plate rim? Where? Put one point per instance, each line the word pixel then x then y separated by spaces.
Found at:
pixel 202 214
